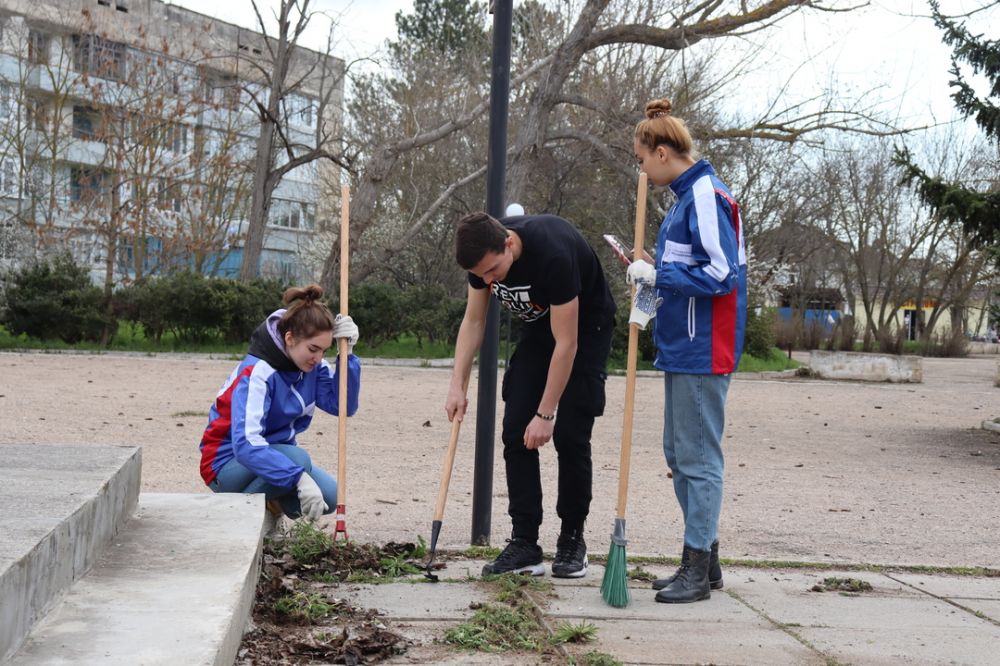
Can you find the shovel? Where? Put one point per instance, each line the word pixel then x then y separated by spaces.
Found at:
pixel 449 461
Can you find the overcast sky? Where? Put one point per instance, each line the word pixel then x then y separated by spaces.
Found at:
pixel 889 50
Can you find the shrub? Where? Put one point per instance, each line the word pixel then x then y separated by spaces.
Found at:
pixel 760 338
pixel 379 311
pixel 55 299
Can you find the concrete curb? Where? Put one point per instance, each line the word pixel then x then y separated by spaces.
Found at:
pixel 177 587
pixel 56 525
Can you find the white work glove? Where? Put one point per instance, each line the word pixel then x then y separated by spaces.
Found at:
pixel 644 305
pixel 311 498
pixel 344 327
pixel 641 272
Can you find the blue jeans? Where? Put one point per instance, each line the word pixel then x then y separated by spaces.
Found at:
pixel 693 417
pixel 235 478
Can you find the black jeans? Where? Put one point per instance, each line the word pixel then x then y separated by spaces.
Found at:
pixel 581 402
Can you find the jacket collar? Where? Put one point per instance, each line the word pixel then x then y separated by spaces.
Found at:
pixel 684 181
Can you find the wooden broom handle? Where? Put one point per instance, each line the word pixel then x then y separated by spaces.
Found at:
pixel 345 226
pixel 633 353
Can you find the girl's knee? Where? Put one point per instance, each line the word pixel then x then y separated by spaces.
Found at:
pixel 297 455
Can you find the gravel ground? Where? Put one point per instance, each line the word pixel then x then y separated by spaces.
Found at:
pixel 816 471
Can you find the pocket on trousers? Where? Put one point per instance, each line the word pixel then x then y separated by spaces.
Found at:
pixel 585 393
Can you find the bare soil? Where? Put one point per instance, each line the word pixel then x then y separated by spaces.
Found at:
pixel 816 470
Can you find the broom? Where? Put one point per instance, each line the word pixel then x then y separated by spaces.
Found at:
pixel 345 225
pixel 614 587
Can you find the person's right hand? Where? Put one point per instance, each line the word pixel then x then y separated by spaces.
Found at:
pixel 456 404
pixel 311 498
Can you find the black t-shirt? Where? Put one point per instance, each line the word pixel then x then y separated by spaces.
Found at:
pixel 556 265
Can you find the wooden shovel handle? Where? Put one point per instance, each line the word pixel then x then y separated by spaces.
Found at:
pixel 449 461
pixel 633 354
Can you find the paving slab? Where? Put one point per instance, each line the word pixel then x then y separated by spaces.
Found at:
pixel 426 648
pixel 892 624
pixel 62 506
pixel 952 587
pixel 419 600
pixel 722 643
pixel 176 587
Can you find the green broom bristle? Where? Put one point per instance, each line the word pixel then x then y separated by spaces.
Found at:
pixel 614 587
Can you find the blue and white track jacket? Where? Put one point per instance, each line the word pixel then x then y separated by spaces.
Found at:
pixel 701 274
pixel 267 400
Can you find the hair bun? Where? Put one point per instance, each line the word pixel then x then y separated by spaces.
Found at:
pixel 659 107
pixel 308 294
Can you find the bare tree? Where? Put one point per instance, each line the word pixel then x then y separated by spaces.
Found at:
pixel 285 78
pixel 574 96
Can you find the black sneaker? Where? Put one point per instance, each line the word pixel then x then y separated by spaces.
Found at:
pixel 571 556
pixel 520 556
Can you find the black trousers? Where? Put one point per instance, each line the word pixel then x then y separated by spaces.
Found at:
pixel 581 402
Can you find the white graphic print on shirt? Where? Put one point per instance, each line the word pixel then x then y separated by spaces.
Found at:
pixel 516 299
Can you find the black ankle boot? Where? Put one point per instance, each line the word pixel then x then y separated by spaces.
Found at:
pixel 714 571
pixel 691 583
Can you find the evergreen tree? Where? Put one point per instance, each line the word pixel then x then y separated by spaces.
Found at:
pixel 978 211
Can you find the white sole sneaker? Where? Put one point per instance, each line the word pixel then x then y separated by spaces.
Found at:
pixel 530 570
pixel 575 574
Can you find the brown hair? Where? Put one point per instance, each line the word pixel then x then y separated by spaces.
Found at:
pixel 306 315
pixel 477 234
pixel 661 128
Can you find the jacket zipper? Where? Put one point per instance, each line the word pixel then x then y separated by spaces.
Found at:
pixel 691 319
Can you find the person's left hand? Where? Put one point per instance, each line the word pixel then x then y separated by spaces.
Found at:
pixel 641 272
pixel 344 327
pixel 538 433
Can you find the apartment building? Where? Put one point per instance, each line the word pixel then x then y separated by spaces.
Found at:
pixel 128 132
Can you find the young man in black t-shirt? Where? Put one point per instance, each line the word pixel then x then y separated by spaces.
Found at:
pixel 542 270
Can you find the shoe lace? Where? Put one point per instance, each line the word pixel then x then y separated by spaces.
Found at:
pixel 512 551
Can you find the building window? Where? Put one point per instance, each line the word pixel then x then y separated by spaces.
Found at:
pixel 292 214
pixel 168 196
pixel 99 57
pixel 37 114
pixel 86 122
pixel 121 6
pixel 6 103
pixel 175 138
pixel 8 178
pixel 88 185
pixel 38 47
pixel 104 3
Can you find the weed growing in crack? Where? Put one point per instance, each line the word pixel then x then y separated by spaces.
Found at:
pixel 567 632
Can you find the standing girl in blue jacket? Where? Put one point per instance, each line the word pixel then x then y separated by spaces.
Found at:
pixel 700 272
pixel 250 444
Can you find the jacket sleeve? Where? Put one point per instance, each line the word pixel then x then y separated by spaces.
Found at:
pixel 328 385
pixel 251 402
pixel 713 269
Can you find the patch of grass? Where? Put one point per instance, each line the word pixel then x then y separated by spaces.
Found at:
pixel 496 628
pixel 778 360
pixel 304 607
pixel 394 567
pixel 189 412
pixel 420 551
pixel 596 658
pixel 307 543
pixel 481 552
pixel 567 632
pixel 509 585
pixel 638 573
pixel 852 586
pixel 406 347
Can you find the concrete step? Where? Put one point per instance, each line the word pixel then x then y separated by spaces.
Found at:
pixel 176 587
pixel 61 507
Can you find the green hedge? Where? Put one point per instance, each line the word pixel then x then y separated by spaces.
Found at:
pixel 54 300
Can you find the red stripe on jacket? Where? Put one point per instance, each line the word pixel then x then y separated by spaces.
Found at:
pixel 218 430
pixel 724 312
